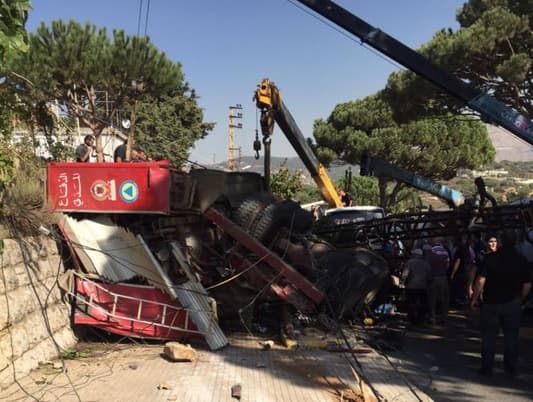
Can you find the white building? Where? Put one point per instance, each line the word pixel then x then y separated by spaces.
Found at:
pixel 111 139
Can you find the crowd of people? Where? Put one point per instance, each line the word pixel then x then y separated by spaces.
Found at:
pixel 85 150
pixel 488 273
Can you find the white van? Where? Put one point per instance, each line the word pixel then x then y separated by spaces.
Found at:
pixel 344 215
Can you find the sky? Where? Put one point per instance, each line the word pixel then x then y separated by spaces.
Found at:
pixel 226 47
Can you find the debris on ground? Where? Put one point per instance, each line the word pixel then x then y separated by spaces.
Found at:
pixel 288 342
pixel 267 345
pixel 236 391
pixel 178 352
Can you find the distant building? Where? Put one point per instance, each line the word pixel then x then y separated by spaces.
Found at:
pixel 490 173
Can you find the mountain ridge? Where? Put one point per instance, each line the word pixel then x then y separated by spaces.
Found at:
pixel 508 148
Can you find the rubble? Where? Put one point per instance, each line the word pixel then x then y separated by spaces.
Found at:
pixel 236 391
pixel 178 352
pixel 154 266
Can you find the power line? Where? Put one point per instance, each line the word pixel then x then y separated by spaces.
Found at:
pixel 347 35
pixel 139 17
pixel 146 19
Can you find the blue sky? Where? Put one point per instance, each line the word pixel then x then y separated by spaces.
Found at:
pixel 226 48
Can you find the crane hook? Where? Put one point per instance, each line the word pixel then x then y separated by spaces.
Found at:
pixel 257 145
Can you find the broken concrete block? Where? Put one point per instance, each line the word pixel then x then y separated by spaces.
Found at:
pixel 236 391
pixel 178 352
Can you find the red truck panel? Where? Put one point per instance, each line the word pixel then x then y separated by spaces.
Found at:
pixel 123 187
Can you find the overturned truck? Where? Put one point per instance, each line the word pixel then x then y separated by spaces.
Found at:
pixel 160 253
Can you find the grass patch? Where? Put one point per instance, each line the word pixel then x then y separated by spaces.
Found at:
pixel 72 354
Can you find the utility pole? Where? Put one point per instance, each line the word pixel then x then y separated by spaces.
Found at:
pixel 231 134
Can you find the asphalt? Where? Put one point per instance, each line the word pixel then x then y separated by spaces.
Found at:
pixel 442 361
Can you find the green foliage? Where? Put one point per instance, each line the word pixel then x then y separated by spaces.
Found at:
pixel 492 50
pixel 27 188
pixel 434 148
pixel 308 194
pixel 24 189
pixel 61 152
pixel 76 65
pixel 345 134
pixel 13 39
pixel 7 170
pixel 168 126
pixel 72 354
pixel 285 185
pixel 364 190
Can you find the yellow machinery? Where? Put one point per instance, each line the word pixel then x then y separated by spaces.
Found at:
pixel 268 100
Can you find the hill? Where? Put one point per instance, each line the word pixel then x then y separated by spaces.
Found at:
pixel 250 164
pixel 508 146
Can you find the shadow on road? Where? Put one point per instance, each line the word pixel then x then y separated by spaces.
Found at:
pixel 443 361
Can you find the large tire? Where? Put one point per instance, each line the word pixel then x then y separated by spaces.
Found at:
pixel 250 209
pixel 286 214
pixel 352 279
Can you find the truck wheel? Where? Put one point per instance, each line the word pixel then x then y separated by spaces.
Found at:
pixel 286 214
pixel 250 209
pixel 352 280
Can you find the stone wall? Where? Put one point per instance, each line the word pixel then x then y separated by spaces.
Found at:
pixel 33 319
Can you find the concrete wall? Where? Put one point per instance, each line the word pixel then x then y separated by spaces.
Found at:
pixel 30 308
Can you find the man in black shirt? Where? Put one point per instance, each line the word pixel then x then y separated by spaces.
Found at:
pixel 120 153
pixel 346 198
pixel 83 151
pixel 504 279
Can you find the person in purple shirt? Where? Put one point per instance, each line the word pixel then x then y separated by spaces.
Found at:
pixel 438 258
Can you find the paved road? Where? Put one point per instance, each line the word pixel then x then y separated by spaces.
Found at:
pixel 442 361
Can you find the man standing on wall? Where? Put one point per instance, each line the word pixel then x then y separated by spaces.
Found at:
pixel 83 151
